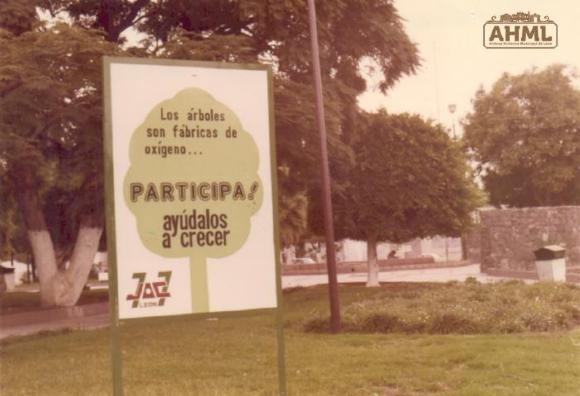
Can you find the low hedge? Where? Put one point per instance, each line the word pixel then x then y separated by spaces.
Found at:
pixel 463 308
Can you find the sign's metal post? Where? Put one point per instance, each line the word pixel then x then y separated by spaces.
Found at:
pixel 248 181
pixel 281 352
pixel 116 351
pixel 326 198
pixel 116 356
pixel 282 391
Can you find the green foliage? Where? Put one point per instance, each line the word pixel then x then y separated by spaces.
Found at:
pixel 273 32
pixel 50 118
pixel 50 89
pixel 277 30
pixel 470 308
pixel 409 180
pixel 524 134
pixel 217 48
pixel 292 214
pixel 349 30
pixel 298 151
pixel 112 17
pixel 17 16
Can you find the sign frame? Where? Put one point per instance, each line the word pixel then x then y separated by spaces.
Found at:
pixel 116 322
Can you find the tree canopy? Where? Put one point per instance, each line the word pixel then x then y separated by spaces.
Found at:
pixel 50 117
pixel 525 136
pixel 50 94
pixel 409 180
pixel 275 32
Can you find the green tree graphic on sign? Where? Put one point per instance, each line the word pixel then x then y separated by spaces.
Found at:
pixel 193 183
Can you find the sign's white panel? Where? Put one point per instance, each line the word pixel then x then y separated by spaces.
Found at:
pixel 193 192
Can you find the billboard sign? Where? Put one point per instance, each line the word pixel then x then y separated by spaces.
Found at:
pixel 189 153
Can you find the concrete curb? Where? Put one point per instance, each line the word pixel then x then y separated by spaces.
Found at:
pixel 361 267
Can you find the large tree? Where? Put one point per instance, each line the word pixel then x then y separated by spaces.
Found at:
pixel 524 134
pixel 276 32
pixel 51 113
pixel 409 180
pixel 51 140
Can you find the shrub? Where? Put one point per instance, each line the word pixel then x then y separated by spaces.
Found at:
pixel 451 322
pixel 470 308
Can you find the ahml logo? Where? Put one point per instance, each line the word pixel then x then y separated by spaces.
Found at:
pixel 150 294
pixel 521 30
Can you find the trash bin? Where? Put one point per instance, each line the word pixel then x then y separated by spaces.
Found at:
pixel 551 263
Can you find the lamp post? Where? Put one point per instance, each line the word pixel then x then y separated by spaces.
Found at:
pixel 452 107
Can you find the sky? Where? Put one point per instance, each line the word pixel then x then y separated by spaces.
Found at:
pixel 449 35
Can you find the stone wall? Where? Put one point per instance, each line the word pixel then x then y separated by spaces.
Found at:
pixel 508 237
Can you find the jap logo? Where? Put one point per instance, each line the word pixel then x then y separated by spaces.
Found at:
pixel 520 30
pixel 150 294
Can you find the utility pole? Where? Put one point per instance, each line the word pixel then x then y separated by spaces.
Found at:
pixel 326 199
pixel 452 107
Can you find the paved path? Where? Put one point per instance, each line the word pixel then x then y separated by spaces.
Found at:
pixel 93 316
pixel 416 275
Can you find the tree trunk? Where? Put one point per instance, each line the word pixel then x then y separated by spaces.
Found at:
pixel 68 285
pixel 61 288
pixel 45 263
pixel 373 265
pixel 38 235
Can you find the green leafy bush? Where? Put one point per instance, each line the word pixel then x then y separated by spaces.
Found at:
pixel 470 308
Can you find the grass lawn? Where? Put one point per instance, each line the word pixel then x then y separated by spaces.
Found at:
pixel 236 356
